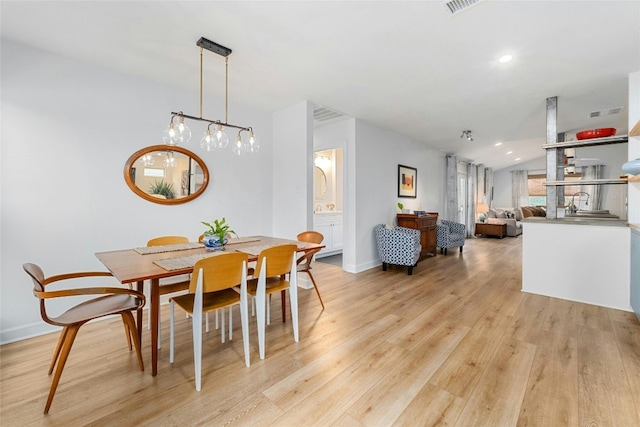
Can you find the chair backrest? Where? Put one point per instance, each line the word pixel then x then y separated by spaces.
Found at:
pixel 167 240
pixel 279 260
pixel 39 282
pixel 310 237
pixel 219 271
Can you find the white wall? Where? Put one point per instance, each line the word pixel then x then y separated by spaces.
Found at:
pixel 292 170
pixel 67 129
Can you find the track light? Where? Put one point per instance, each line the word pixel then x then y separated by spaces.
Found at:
pixel 467 134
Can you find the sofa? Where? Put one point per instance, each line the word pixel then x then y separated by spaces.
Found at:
pixel 510 217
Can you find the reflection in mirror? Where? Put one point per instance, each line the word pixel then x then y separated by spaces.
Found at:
pixel 320 183
pixel 166 176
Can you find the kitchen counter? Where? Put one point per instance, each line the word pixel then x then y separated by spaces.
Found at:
pixel 604 222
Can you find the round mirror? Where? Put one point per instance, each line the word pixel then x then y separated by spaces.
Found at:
pixel 320 181
pixel 166 175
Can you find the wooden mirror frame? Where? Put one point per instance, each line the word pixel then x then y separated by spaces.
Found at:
pixel 135 156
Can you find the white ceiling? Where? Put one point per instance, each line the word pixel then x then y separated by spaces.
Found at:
pixel 409 66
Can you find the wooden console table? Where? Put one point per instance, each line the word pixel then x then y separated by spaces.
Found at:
pixel 497 230
pixel 427 226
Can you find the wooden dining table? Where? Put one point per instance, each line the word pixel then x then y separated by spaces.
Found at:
pixel 150 264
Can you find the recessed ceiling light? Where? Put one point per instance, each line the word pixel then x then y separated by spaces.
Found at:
pixel 509 152
pixel 505 58
pixel 517 159
pixel 497 144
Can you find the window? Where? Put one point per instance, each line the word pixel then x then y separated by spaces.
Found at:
pixel 154 172
pixel 538 192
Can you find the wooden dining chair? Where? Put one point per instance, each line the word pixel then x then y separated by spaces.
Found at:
pixel 113 300
pixel 273 265
pixel 172 285
pixel 304 262
pixel 212 288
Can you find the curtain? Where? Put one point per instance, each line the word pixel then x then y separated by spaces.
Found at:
pixel 594 191
pixel 519 188
pixel 472 199
pixel 451 195
pixel 488 178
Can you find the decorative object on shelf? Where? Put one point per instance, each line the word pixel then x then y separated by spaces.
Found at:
pixel 215 237
pixel 419 213
pixel 632 167
pixel 407 181
pixel 402 209
pixel 596 133
pixel 179 133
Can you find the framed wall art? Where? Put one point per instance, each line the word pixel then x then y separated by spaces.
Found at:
pixel 407 180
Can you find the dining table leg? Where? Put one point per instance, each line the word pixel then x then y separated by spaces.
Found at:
pixel 155 311
pixel 140 288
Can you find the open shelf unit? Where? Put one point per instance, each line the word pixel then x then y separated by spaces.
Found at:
pixel 555 159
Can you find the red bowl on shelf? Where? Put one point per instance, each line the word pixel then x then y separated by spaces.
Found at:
pixel 596 133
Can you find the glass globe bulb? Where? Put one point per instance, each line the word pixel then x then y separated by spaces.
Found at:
pixel 208 142
pixel 253 144
pixel 238 147
pixel 222 140
pixel 183 133
pixel 169 136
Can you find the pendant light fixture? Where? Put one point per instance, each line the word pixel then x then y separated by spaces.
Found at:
pixel 214 136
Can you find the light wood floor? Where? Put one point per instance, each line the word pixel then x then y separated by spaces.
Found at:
pixel 457 343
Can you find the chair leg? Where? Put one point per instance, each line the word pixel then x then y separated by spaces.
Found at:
pixel 230 322
pixel 260 319
pixel 293 301
pixel 410 272
pixel 171 331
pixel 283 299
pixel 445 251
pixel 316 288
pixel 460 249
pixel 222 327
pixel 69 337
pixel 127 318
pixel 127 334
pixel 244 319
pixel 56 352
pixel 384 266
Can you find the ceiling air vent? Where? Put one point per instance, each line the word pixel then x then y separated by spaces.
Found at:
pixel 455 6
pixel 606 112
pixel 324 114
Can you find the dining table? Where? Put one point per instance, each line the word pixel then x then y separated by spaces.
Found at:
pixel 150 264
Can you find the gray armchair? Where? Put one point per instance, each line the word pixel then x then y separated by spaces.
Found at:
pixel 450 235
pixel 398 246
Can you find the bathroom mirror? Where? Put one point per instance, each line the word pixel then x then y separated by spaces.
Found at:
pixel 166 175
pixel 320 183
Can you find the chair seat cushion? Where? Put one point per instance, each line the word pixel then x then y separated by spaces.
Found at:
pixel 98 307
pixel 210 300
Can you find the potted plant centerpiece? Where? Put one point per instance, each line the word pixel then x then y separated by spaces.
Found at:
pixel 215 237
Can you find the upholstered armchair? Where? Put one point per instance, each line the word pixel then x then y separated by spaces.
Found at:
pixel 450 235
pixel 398 246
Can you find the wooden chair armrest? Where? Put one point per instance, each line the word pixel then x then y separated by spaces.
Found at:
pixel 78 275
pixel 88 291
